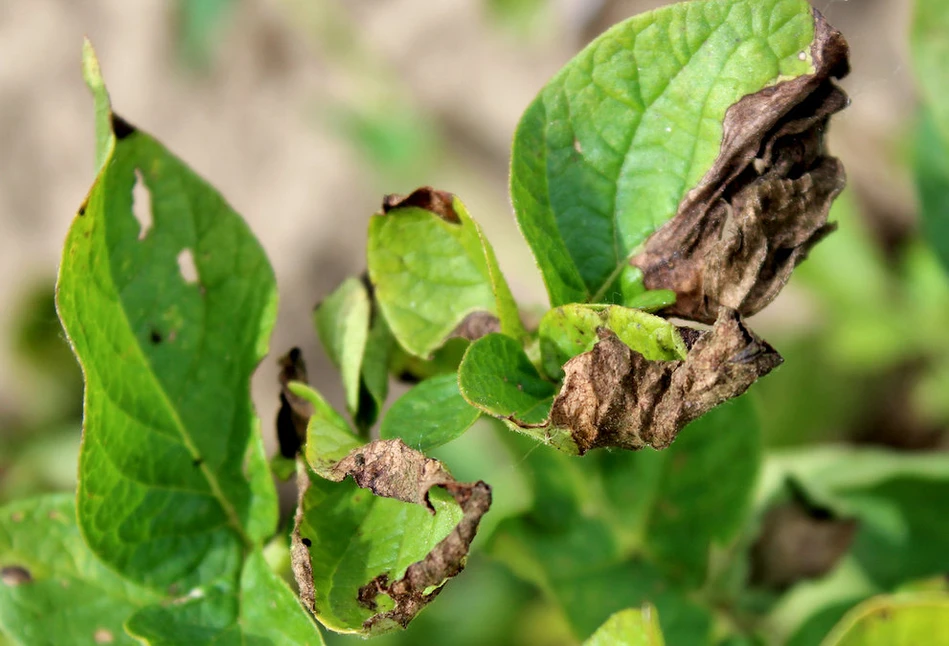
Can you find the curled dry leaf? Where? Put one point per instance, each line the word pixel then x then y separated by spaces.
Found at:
pixel 738 235
pixel 294 411
pixel 391 469
pixel 612 396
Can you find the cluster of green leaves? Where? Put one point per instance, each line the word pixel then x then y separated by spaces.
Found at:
pixel 173 535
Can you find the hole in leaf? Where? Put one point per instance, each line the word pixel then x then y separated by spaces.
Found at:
pixel 307 542
pixel 142 205
pixel 155 337
pixel 103 636
pixel 186 266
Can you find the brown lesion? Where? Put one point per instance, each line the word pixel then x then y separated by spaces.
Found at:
pixel 441 203
pixel 756 214
pixel 612 396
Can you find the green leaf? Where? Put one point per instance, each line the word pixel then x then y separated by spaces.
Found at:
pixel 663 498
pixel 375 372
pixel 355 537
pixel 630 627
pixel 432 270
pixel 328 437
pixel 570 330
pixel 53 589
pixel 269 614
pixel 173 481
pixel 570 546
pixel 497 377
pixel 612 144
pixel 103 108
pixel 894 621
pixel 429 415
pixel 342 323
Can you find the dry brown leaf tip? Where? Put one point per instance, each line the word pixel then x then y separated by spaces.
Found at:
pixel 441 203
pixel 763 205
pixel 612 396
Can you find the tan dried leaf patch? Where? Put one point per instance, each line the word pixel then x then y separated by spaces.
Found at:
pixel 612 396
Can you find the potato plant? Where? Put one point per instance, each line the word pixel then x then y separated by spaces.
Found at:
pixel 668 180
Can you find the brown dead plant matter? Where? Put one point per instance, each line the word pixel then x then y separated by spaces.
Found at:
pixel 738 235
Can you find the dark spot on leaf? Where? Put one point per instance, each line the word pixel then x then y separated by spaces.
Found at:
pixel 14 575
pixel 155 337
pixel 307 542
pixel 121 127
pixel 82 210
pixel 883 614
pixel 441 203
pixel 197 462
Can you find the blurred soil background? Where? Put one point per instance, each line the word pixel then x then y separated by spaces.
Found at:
pixel 304 113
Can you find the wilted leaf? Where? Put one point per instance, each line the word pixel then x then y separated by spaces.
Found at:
pixel 739 233
pixel 570 330
pixel 53 590
pixel 435 274
pixel 369 563
pixel 900 620
pixel 618 144
pixel 168 323
pixel 630 627
pixel 429 415
pixel 612 396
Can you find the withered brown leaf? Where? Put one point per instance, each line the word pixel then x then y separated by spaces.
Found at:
pixel 612 396
pixel 738 235
pixel 294 411
pixel 391 469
